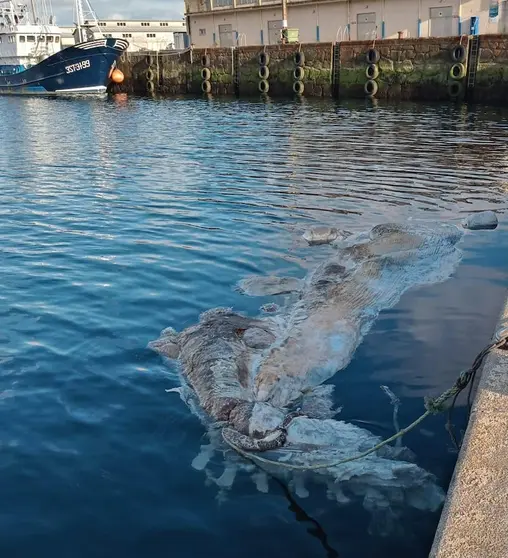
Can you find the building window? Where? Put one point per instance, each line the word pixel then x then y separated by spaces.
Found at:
pixel 223 3
pixel 202 32
pixel 240 2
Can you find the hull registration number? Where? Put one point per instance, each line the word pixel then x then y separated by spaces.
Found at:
pixel 77 67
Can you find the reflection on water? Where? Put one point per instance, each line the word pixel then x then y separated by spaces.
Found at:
pixel 122 217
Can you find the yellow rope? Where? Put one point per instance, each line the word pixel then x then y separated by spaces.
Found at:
pixel 433 406
pixel 255 457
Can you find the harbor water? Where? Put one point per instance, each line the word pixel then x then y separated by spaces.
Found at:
pixel 121 217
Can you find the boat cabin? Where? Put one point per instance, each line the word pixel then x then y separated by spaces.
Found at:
pixel 25 39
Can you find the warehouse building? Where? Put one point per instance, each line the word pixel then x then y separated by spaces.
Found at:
pixel 259 22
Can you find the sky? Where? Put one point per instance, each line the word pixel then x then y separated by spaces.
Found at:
pixel 122 9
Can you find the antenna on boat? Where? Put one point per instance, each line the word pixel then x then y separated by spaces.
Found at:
pixel 86 19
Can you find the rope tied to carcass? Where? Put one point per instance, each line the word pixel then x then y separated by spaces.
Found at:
pixel 433 406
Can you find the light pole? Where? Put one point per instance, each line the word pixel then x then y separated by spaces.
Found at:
pixel 284 20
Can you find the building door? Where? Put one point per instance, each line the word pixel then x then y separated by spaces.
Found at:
pixel 441 22
pixel 366 27
pixel 226 35
pixel 503 13
pixel 274 28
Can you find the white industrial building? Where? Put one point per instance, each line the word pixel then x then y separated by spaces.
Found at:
pixel 259 22
pixel 147 34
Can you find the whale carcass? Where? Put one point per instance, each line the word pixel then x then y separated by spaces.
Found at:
pixel 260 381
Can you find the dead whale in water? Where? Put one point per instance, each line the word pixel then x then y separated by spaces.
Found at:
pixel 261 379
pixel 341 299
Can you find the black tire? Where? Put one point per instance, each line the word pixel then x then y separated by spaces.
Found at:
pixel 298 87
pixel 299 73
pixel 372 71
pixel 370 88
pixel 150 87
pixel 459 53
pixel 264 72
pixel 300 58
pixel 150 74
pixel 149 60
pixel 373 56
pixel 264 59
pixel 206 86
pixel 455 89
pixel 205 60
pixel 205 74
pixel 263 86
pixel 458 71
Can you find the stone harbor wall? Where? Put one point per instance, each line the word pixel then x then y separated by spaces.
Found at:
pixel 404 69
pixel 492 72
pixel 436 69
pixel 280 70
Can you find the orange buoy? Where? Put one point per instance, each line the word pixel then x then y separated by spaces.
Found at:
pixel 117 76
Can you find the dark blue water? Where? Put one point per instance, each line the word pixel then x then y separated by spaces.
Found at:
pixel 120 218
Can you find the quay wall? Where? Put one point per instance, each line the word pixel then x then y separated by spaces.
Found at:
pixel 403 69
pixel 474 521
pixel 414 69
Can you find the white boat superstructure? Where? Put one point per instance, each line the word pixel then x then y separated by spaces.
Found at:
pixel 27 35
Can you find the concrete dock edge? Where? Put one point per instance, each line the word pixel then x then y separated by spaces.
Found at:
pixel 474 521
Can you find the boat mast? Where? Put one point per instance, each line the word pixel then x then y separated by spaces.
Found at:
pixel 34 12
pixel 86 18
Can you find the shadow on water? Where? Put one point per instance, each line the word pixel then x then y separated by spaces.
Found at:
pixel 301 516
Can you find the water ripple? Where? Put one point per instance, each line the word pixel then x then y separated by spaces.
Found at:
pixel 121 218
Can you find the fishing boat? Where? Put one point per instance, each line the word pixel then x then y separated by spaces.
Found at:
pixel 33 62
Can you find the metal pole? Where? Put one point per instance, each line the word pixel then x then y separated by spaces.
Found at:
pixel 34 13
pixel 284 19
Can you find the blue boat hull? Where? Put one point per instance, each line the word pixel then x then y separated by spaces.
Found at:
pixel 80 69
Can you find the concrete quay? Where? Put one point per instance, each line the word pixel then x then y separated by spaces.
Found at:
pixel 474 522
pixel 435 69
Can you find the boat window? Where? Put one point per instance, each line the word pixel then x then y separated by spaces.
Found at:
pixel 41 38
pixel 49 38
pixel 57 39
pixel 22 39
pixel 30 39
pixel 12 39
